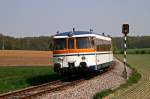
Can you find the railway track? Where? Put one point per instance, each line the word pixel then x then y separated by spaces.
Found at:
pixel 35 91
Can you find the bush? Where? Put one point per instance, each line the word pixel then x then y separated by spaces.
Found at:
pixel 136 52
pixel 143 52
pixel 120 52
pixel 148 52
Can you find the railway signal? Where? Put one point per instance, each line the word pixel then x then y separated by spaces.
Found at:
pixel 125 31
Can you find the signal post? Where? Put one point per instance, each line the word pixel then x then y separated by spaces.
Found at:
pixel 125 31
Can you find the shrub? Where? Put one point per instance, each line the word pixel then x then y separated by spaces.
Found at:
pixel 136 52
pixel 148 52
pixel 143 52
pixel 120 52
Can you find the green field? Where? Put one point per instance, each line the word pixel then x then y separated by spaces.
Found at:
pixel 141 62
pixel 12 78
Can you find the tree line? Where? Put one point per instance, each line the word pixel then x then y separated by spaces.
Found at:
pixel 133 42
pixel 26 43
pixel 44 43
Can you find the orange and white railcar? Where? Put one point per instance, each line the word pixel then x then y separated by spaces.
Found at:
pixel 78 51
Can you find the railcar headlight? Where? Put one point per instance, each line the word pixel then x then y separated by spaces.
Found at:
pixel 83 58
pixel 60 59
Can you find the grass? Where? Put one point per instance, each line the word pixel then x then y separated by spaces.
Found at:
pixel 102 94
pixel 133 79
pixel 12 78
pixel 138 61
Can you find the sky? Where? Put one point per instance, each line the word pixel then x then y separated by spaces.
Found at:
pixel 22 18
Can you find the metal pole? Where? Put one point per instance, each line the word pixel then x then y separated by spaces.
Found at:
pixel 125 54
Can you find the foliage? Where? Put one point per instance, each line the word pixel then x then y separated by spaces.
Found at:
pixel 26 43
pixel 135 51
pixel 135 42
pixel 45 43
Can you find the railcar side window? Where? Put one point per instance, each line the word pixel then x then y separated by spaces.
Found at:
pixel 83 42
pixel 102 45
pixel 71 43
pixel 60 44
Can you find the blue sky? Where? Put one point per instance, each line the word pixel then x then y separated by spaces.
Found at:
pixel 44 17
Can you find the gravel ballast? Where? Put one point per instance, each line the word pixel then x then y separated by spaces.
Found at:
pixel 86 90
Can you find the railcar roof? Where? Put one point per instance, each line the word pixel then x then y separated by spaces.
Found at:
pixel 80 34
pixel 74 33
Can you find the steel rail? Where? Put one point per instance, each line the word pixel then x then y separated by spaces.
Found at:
pixel 25 92
pixel 38 90
pixel 59 88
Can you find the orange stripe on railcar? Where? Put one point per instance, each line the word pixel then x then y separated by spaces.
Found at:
pixel 74 51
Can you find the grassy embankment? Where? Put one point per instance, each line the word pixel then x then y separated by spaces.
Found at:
pixel 12 78
pixel 140 90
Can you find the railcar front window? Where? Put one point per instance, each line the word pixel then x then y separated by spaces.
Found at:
pixel 59 44
pixel 83 42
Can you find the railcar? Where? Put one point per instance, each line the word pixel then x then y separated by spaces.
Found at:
pixel 79 51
